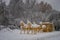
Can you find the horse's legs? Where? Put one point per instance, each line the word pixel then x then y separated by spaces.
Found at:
pixel 32 30
pixel 28 30
pixel 21 31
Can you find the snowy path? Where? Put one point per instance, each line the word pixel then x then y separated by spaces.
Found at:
pixel 14 35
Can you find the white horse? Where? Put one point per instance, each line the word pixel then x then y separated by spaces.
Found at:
pixel 35 28
pixel 25 27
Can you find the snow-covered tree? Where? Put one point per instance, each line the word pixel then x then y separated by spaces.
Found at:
pixel 45 8
pixel 3 18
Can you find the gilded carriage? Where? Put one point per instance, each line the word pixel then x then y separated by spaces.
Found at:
pixel 49 27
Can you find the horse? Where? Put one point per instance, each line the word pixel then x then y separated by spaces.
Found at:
pixel 25 27
pixel 22 26
pixel 35 28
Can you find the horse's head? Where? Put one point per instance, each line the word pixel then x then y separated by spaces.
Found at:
pixel 21 23
pixel 29 23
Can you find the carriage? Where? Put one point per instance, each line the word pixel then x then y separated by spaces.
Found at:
pixel 36 28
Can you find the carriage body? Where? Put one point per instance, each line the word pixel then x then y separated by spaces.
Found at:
pixel 49 27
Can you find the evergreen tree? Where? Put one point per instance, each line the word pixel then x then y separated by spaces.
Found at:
pixel 3 18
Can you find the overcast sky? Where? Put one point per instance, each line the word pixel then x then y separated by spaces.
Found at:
pixel 54 3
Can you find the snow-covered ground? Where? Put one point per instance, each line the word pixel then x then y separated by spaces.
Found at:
pixel 8 34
